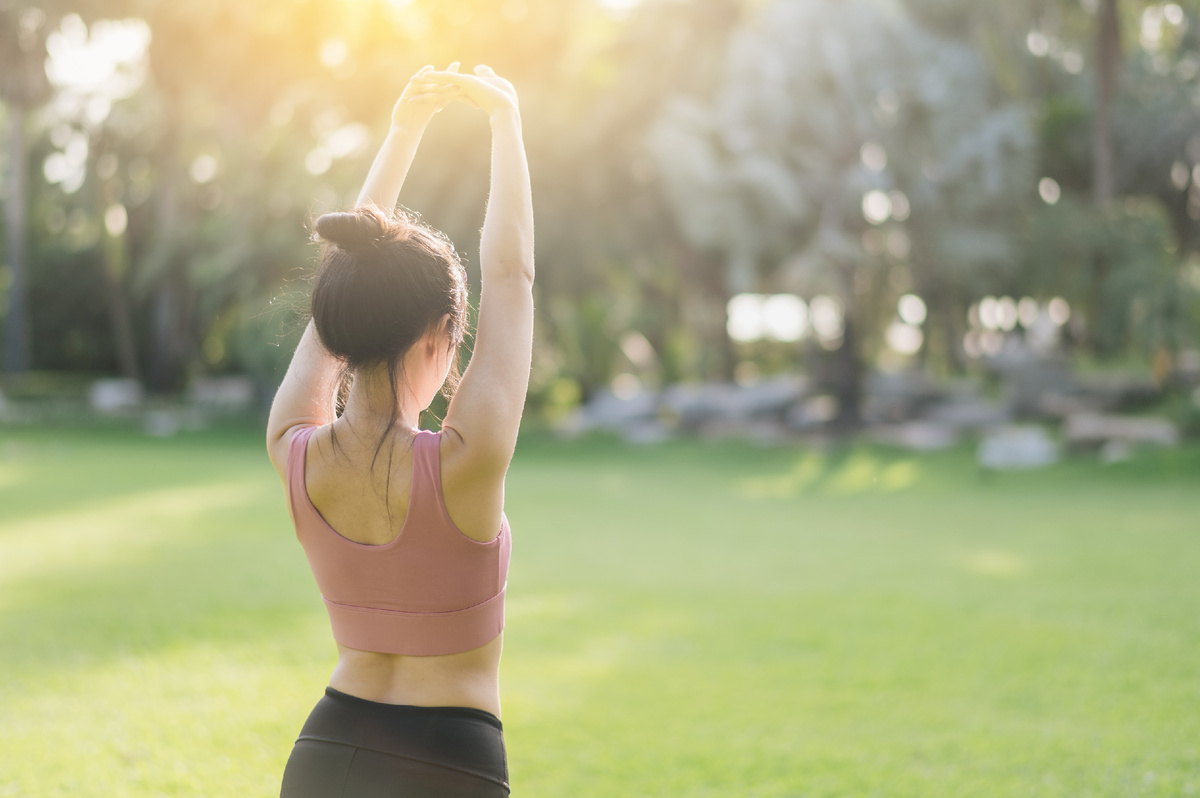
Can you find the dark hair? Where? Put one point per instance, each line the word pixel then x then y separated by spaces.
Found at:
pixel 384 281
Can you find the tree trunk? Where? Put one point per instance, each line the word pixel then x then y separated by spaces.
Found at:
pixel 948 320
pixel 171 324
pixel 847 376
pixel 1108 59
pixel 708 286
pixel 171 302
pixel 17 337
pixel 115 265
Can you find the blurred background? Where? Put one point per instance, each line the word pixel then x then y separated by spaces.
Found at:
pixel 860 455
pixel 899 202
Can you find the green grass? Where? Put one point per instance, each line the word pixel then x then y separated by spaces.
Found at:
pixel 690 620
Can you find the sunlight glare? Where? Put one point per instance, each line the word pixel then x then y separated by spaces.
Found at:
pixel 785 317
pixel 105 62
pixel 1059 311
pixel 1027 311
pixel 989 313
pixel 912 309
pixel 876 207
pixel 873 156
pixel 905 338
pixel 115 219
pixel 619 9
pixel 827 323
pixel 1006 313
pixel 745 317
pixel 1049 190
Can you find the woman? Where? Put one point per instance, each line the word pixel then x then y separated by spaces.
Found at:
pixel 404 528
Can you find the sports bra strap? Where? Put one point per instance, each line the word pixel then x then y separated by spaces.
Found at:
pixel 297 448
pixel 426 459
pixel 426 506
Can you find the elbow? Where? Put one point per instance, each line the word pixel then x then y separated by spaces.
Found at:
pixel 525 271
pixel 520 264
pixel 519 268
pixel 515 259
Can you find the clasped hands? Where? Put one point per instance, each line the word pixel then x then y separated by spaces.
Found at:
pixel 430 90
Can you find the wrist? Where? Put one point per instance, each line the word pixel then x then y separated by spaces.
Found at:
pixel 406 130
pixel 507 113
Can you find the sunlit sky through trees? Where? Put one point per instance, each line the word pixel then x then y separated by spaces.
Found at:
pixel 723 180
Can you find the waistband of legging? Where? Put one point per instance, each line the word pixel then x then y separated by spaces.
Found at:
pixel 410 710
pixel 463 739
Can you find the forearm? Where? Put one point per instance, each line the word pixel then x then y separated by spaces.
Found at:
pixel 506 245
pixel 390 167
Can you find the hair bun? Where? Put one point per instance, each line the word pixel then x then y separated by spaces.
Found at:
pixel 354 231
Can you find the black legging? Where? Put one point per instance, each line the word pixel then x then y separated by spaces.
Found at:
pixel 354 748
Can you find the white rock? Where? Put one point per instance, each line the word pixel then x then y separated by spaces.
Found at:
pixel 608 411
pixel 115 395
pixel 1017 447
pixel 161 423
pixel 1094 428
pixel 645 432
pixel 917 436
pixel 225 393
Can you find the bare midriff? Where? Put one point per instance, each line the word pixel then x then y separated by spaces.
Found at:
pixel 466 679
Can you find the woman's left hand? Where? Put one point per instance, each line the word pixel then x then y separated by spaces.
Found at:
pixel 422 98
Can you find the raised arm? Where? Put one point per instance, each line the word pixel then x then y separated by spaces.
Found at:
pixel 418 103
pixel 485 412
pixel 308 391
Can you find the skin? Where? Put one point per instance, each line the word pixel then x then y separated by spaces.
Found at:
pixel 481 422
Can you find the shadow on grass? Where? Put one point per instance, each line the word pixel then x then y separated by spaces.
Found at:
pixel 151 544
pixel 183 541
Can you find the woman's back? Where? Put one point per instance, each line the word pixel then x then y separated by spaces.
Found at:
pixel 369 506
pixel 372 508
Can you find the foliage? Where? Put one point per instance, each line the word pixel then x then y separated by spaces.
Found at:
pixel 821 105
pixel 680 153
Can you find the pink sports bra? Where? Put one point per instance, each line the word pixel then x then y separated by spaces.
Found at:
pixel 432 590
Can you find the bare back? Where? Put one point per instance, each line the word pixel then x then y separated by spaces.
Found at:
pixel 350 497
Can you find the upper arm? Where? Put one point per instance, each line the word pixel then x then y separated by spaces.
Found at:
pixel 485 411
pixel 305 397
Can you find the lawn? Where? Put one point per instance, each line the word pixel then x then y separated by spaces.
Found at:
pixel 695 619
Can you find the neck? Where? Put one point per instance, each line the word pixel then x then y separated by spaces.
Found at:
pixel 369 405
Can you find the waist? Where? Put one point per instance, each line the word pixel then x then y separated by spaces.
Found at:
pixel 460 749
pixel 464 679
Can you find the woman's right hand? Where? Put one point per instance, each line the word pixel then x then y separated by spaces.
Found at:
pixel 485 89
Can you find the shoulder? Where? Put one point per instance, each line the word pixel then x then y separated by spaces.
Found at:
pixel 467 466
pixel 279 445
pixel 472 488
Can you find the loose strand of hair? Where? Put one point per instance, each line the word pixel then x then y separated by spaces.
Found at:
pixel 345 380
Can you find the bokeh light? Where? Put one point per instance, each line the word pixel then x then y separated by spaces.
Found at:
pixel 912 309
pixel 1049 190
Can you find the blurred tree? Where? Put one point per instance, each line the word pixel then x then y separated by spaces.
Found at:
pixel 23 86
pixel 681 153
pixel 604 224
pixel 1137 109
pixel 833 124
pixel 1108 59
